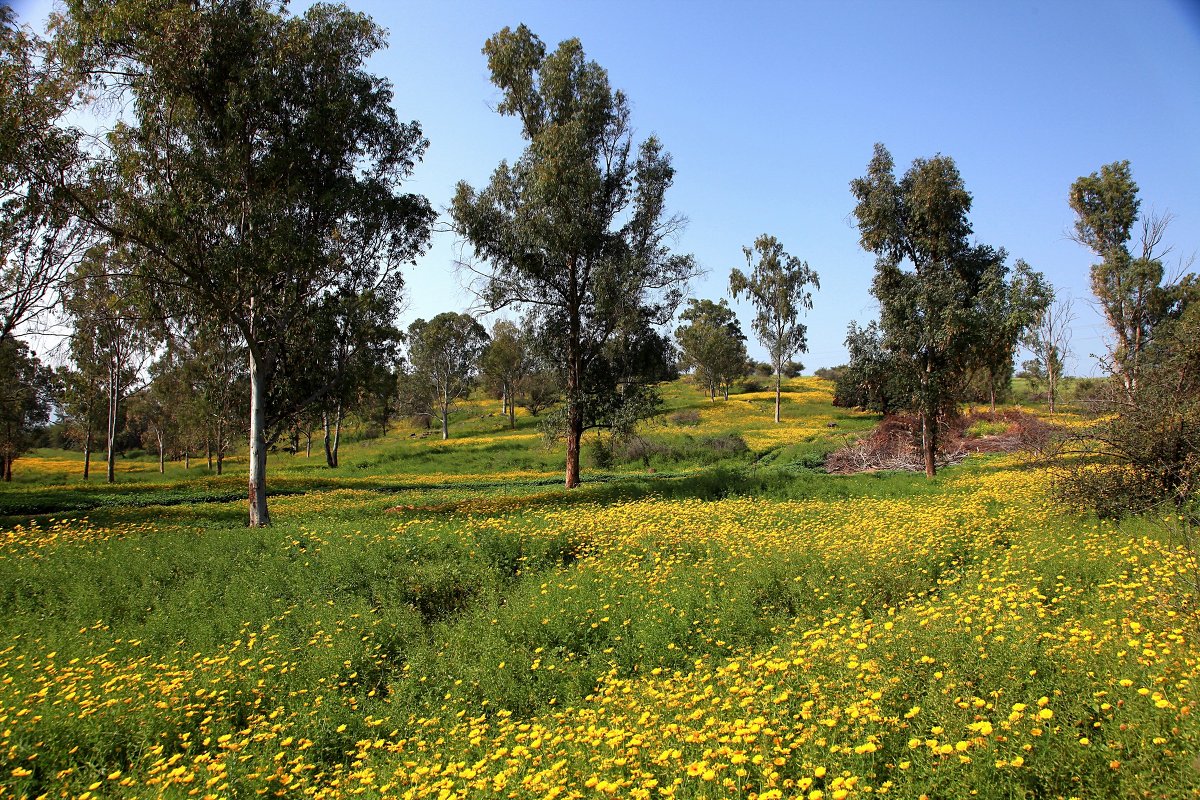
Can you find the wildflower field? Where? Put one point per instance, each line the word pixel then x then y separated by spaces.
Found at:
pixel 443 620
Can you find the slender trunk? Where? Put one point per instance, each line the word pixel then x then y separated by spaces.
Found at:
pixel 87 452
pixel 187 458
pixel 259 515
pixel 325 427
pixel 512 409
pixel 503 399
pixel 445 422
pixel 6 467
pixel 928 444
pixel 162 458
pixel 725 392
pixel 928 421
pixel 208 447
pixel 574 410
pixel 112 422
pixel 1050 377
pixel 778 380
pixel 337 432
pixel 220 445
pixel 308 444
pixel 992 393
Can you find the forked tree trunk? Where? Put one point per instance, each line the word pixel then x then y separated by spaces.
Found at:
pixel 257 488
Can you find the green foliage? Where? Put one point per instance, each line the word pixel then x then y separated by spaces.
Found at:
pixel 712 344
pixel 577 229
pixel 26 395
pixel 443 361
pixel 872 380
pixel 779 287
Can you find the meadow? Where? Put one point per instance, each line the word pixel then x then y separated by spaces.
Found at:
pixel 708 616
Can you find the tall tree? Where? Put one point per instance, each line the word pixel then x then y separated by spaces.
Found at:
pixel 1128 284
pixel 712 344
pixel 39 241
pixel 779 287
pixel 930 314
pixel 110 340
pixel 261 162
pixel 444 356
pixel 577 225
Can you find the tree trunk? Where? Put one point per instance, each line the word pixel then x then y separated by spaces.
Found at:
pixel 220 445
pixel 187 458
pixel 87 451
pixel 208 447
pixel 1050 376
pixel 112 422
pixel 337 432
pixel 445 423
pixel 308 444
pixel 512 409
pixel 503 399
pixel 928 444
pixel 259 515
pixel 162 458
pixel 326 440
pixel 778 381
pixel 6 467
pixel 992 393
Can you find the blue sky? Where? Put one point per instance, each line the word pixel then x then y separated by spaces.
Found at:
pixel 771 108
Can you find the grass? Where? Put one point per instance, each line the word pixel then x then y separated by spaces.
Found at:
pixel 437 620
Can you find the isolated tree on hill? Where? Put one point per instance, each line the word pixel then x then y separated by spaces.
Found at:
pixel 930 314
pixel 444 356
pixel 26 396
pixel 260 163
pixel 576 227
pixel 779 287
pixel 712 344
pixel 505 363
pixel 1010 305
pixel 1049 339
pixel 1128 284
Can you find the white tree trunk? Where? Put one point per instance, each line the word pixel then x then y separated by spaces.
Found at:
pixel 259 516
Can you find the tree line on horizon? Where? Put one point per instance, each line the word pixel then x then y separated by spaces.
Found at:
pixel 227 252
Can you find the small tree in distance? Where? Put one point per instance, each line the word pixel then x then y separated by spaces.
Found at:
pixel 444 357
pixel 712 344
pixel 778 286
pixel 1050 342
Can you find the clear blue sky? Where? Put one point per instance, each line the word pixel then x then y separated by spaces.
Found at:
pixel 771 108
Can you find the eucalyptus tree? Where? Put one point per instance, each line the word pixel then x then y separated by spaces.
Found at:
pixel 576 227
pixel 260 163
pixel 931 313
pixel 505 364
pixel 40 241
pixel 1128 284
pixel 779 287
pixel 444 355
pixel 1049 339
pixel 712 344
pixel 26 397
pixel 1010 306
pixel 110 341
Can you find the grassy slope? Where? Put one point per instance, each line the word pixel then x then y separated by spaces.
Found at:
pixel 444 617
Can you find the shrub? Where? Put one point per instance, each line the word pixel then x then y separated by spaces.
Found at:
pixel 688 416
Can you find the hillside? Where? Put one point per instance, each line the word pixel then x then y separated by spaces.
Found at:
pixel 709 615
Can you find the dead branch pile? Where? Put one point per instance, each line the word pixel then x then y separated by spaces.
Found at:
pixel 895 444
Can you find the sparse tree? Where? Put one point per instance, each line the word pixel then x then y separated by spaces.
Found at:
pixel 1050 342
pixel 576 227
pixel 780 287
pixel 1010 306
pixel 1128 284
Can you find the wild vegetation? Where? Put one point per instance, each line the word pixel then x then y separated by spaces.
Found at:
pixel 915 573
